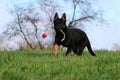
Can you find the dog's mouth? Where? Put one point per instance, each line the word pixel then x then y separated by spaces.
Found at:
pixel 63 35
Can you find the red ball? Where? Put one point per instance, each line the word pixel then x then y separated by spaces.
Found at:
pixel 44 35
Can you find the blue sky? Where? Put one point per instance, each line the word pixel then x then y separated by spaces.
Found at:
pixel 101 37
pixel 111 33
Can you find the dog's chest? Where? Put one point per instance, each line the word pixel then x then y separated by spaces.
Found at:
pixel 60 39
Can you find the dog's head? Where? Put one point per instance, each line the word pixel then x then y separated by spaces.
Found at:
pixel 59 23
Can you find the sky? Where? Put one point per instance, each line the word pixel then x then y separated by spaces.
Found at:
pixel 101 37
pixel 110 34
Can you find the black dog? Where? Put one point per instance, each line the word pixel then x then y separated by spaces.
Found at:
pixel 74 39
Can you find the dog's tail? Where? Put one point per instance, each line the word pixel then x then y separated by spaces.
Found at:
pixel 90 49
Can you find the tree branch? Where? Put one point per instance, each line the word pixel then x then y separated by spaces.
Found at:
pixel 70 25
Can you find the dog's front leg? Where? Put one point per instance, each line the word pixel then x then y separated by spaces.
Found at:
pixel 55 48
pixel 68 53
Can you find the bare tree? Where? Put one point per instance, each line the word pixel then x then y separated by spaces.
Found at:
pixel 17 27
pixel 29 17
pixel 32 16
pixel 86 13
pixel 34 21
pixel 116 47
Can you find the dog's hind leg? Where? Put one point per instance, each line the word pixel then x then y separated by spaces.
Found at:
pixel 75 51
pixel 80 51
pixel 68 53
pixel 81 48
pixel 55 48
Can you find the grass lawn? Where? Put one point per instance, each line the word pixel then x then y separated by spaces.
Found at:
pixel 41 65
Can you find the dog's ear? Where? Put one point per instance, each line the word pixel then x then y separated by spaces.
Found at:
pixel 56 16
pixel 64 17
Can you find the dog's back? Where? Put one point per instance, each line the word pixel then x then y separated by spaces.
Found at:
pixel 76 37
pixel 77 34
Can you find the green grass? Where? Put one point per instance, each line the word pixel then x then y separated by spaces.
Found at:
pixel 41 65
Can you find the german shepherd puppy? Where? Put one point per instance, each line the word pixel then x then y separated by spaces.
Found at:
pixel 74 39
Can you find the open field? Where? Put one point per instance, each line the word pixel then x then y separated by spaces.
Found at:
pixel 41 65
